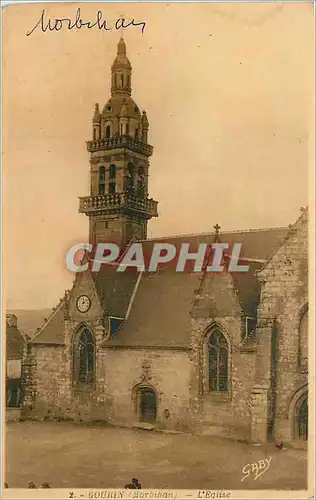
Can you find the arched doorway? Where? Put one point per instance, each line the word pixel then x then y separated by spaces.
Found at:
pixel 147 405
pixel 301 418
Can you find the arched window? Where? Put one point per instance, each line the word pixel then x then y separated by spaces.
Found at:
pixel 83 357
pixel 112 171
pixel 108 131
pixel 218 362
pixel 301 418
pixel 102 180
pixel 122 79
pixel 112 183
pixel 94 134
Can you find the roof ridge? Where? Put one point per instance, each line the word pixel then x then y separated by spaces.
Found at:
pixel 234 231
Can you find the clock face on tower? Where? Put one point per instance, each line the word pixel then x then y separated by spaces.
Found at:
pixel 83 303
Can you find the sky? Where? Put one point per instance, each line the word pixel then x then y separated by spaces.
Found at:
pixel 228 90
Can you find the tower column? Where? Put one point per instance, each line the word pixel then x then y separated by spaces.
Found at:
pixel 260 392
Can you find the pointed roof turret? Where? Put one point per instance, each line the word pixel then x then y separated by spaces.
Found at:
pixel 97 114
pixel 121 72
pixel 145 120
pixel 217 228
pixel 121 47
pixel 121 61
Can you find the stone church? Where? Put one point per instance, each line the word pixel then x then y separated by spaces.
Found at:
pixel 217 353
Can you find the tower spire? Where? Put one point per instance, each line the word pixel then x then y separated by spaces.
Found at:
pixel 121 71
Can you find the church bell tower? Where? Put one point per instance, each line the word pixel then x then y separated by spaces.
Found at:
pixel 119 205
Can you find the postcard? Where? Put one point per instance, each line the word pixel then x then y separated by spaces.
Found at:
pixel 158 250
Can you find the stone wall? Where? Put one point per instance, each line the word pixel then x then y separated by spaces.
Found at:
pixel 119 374
pixel 284 298
pixel 222 414
pixel 167 372
pixel 56 396
pixel 28 380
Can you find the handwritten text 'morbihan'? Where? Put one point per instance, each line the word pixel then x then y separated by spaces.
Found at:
pixel 44 24
pixel 256 468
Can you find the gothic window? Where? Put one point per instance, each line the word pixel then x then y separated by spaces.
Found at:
pixel 301 418
pixel 102 180
pixel 303 340
pixel 83 357
pixel 112 171
pixel 108 131
pixel 218 362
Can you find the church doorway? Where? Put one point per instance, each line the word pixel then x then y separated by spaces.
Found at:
pixel 301 419
pixel 147 405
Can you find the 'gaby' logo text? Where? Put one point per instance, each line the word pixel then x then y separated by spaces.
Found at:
pixel 256 469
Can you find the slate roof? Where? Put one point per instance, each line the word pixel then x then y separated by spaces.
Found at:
pixel 160 312
pixel 52 332
pixel 15 342
pixel 162 301
pixel 256 243
pixel 115 289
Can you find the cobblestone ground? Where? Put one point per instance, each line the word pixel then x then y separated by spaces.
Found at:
pixel 72 456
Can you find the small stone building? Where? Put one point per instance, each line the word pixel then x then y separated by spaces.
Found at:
pixel 219 353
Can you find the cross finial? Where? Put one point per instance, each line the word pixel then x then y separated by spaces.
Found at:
pixel 121 30
pixel 217 227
